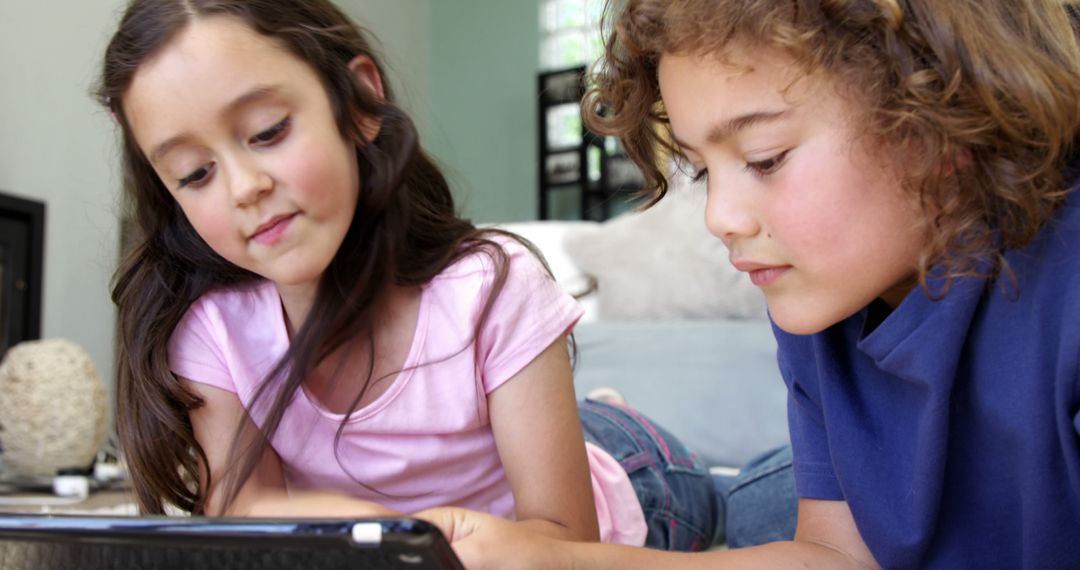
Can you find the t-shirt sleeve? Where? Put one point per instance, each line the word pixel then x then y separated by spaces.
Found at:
pixel 529 313
pixel 194 350
pixel 812 458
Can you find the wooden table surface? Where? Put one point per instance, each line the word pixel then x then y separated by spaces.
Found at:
pixel 107 501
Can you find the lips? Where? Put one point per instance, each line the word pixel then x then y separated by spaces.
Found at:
pixel 272 230
pixel 763 277
pixel 761 274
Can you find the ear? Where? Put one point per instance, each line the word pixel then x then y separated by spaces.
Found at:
pixel 366 74
pixel 960 162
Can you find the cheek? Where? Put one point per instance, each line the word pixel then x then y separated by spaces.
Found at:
pixel 322 178
pixel 812 211
pixel 211 223
pixel 306 174
pixel 833 216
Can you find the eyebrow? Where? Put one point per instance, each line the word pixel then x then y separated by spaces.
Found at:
pixel 252 96
pixel 726 129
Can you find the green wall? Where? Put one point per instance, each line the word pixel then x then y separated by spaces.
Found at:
pixel 482 126
pixel 401 29
pixel 57 147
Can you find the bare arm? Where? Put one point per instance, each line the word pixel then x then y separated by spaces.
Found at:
pixel 264 494
pixel 538 434
pixel 826 537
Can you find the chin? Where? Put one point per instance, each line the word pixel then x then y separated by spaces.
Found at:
pixel 801 321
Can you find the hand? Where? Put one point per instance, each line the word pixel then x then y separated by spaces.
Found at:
pixel 484 541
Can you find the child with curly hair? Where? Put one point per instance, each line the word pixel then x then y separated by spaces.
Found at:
pixel 897 177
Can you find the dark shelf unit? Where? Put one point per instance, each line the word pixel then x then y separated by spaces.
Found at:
pixel 22 244
pixel 566 167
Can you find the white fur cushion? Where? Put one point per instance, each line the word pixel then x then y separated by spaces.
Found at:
pixel 663 263
pixel 548 236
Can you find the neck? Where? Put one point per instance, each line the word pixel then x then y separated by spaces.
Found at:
pixel 297 301
pixel 896 294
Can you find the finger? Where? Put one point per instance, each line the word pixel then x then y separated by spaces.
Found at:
pixel 470 554
pixel 445 519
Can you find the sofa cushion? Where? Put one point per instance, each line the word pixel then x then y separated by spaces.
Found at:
pixel 663 263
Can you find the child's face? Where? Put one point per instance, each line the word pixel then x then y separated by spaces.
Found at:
pixel 242 134
pixel 821 226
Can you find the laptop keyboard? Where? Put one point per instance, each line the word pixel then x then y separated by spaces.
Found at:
pixel 94 556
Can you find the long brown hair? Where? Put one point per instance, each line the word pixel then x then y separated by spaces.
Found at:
pixel 405 231
pixel 986 91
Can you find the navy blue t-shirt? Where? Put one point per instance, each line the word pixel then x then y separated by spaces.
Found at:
pixel 951 428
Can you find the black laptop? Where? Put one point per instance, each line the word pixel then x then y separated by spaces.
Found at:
pixel 68 542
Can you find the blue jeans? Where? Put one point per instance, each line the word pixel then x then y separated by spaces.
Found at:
pixel 759 504
pixel 674 488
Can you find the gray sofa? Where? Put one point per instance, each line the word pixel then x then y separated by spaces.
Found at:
pixel 712 383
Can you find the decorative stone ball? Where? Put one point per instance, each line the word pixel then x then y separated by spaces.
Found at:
pixel 53 412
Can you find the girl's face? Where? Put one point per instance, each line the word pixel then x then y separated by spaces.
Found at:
pixel 821 226
pixel 242 134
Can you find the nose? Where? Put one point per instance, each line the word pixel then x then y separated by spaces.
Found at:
pixel 729 211
pixel 248 181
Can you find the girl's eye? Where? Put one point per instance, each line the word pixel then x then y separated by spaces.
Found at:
pixel 273 134
pixel 767 166
pixel 195 178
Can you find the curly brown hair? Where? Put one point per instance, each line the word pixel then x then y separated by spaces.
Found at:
pixel 987 91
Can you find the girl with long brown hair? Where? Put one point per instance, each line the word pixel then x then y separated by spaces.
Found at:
pixel 308 328
pixel 898 177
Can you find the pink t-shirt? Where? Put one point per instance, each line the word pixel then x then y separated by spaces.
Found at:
pixel 427 440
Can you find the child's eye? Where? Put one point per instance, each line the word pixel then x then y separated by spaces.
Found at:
pixel 273 134
pixel 199 175
pixel 686 166
pixel 767 166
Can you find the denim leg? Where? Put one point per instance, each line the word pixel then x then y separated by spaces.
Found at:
pixel 761 503
pixel 722 485
pixel 674 488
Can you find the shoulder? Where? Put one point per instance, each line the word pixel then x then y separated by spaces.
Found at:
pixel 1063 229
pixel 505 279
pixel 795 352
pixel 237 304
pixel 1049 267
pixel 233 315
pixel 229 338
pixel 806 361
pixel 489 257
pixel 246 316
